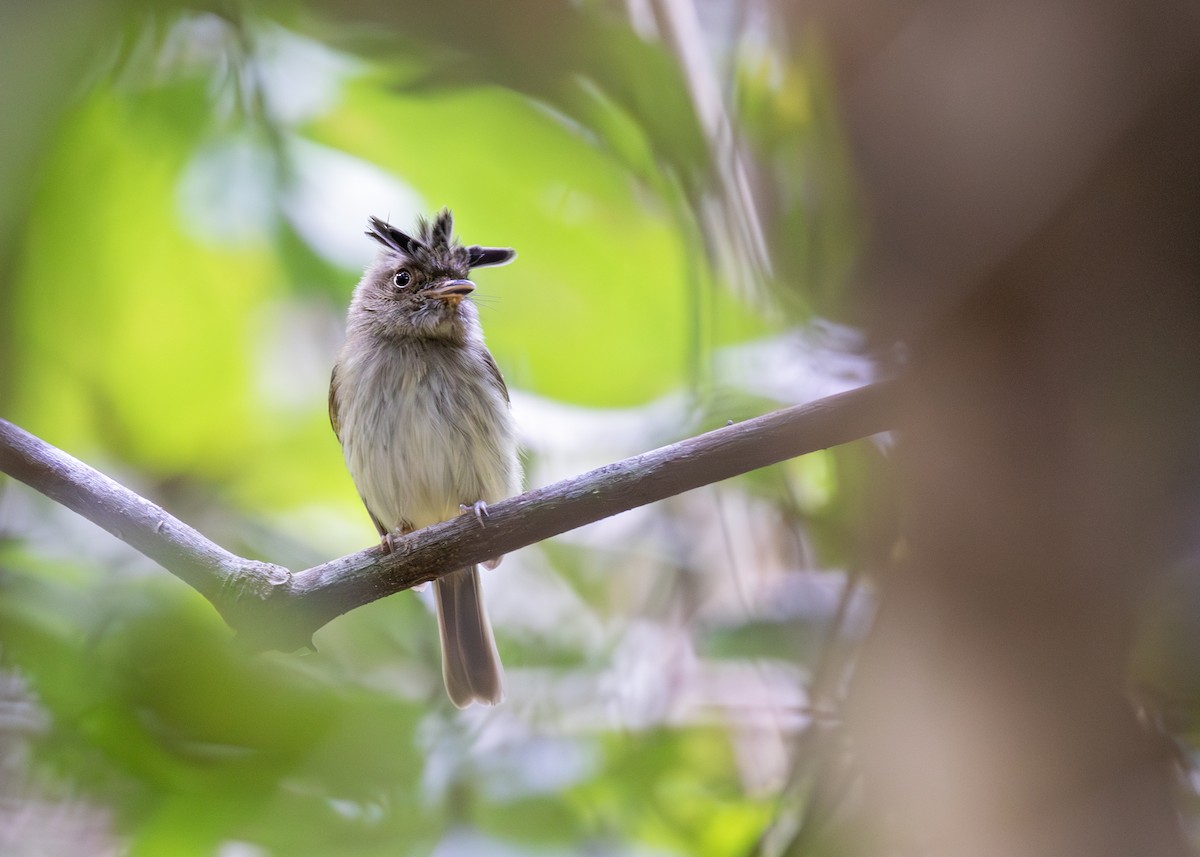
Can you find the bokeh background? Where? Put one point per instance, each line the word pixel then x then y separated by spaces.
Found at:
pixel 720 207
pixel 193 189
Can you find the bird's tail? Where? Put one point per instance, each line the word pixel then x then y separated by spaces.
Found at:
pixel 470 664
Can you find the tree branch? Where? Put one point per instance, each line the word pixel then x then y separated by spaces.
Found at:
pixel 272 608
pixel 214 572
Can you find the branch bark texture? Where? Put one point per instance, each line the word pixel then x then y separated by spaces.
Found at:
pixel 273 608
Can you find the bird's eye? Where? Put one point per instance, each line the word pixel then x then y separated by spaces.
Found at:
pixel 401 279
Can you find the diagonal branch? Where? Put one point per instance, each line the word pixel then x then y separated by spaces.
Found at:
pixel 204 565
pixel 272 608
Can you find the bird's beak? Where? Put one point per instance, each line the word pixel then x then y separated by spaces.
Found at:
pixel 451 291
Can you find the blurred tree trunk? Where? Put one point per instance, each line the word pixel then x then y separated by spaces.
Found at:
pixel 1032 173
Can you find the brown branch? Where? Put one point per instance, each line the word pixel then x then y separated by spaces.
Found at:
pixel 273 608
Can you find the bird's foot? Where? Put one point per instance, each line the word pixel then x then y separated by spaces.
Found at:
pixel 388 540
pixel 479 508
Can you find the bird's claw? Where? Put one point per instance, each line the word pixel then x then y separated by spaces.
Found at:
pixel 480 509
pixel 388 540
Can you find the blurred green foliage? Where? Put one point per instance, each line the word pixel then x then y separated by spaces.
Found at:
pixel 170 313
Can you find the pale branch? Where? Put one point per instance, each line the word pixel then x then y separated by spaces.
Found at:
pixel 273 608
pixel 213 571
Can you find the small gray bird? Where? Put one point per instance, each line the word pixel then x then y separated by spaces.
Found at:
pixel 424 421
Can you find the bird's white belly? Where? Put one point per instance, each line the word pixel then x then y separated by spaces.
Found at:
pixel 418 447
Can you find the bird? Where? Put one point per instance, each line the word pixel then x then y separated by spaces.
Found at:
pixel 424 419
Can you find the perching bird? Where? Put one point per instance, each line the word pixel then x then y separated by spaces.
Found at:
pixel 423 417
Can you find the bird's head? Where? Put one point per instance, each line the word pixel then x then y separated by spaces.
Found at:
pixel 419 285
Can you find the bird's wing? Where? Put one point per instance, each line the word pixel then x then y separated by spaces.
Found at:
pixel 494 372
pixel 337 430
pixel 333 404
